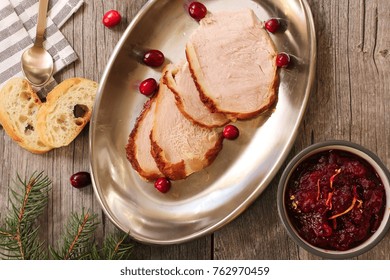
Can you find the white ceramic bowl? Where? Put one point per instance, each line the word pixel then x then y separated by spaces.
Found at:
pixel 361 152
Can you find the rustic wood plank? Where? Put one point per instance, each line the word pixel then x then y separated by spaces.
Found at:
pixel 256 234
pixel 199 249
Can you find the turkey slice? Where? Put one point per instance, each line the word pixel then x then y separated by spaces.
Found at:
pixel 179 146
pixel 138 149
pixel 179 80
pixel 232 60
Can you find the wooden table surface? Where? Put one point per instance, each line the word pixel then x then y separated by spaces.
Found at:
pixel 350 101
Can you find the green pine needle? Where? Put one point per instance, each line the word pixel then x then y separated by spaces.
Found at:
pixel 19 232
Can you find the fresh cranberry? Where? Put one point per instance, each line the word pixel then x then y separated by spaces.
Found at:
pixel 148 87
pixel 231 132
pixel 197 10
pixel 282 60
pixel 80 179
pixel 162 184
pixel 272 25
pixel 154 58
pixel 111 18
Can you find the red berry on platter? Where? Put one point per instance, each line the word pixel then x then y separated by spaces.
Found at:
pixel 154 58
pixel 272 25
pixel 111 18
pixel 230 132
pixel 80 179
pixel 282 60
pixel 197 10
pixel 148 86
pixel 162 184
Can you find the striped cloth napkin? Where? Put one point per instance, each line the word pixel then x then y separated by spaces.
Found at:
pixel 18 20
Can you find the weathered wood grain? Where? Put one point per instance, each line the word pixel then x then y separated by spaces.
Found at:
pixel 350 101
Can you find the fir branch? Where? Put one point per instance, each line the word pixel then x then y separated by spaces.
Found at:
pixel 77 241
pixel 19 234
pixel 76 238
pixel 115 247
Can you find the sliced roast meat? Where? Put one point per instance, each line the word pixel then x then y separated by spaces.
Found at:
pixel 179 146
pixel 138 148
pixel 232 60
pixel 179 80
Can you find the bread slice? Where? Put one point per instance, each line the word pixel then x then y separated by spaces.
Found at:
pixel 67 110
pixel 138 148
pixel 179 80
pixel 232 61
pixel 179 146
pixel 19 106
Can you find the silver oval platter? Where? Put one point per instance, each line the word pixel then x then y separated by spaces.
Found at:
pixel 209 199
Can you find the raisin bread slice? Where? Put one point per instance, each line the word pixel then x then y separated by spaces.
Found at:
pixel 19 106
pixel 67 110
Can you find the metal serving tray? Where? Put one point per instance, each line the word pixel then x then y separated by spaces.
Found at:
pixel 211 198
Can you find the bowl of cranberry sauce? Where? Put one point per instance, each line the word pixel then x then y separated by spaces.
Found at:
pixel 334 199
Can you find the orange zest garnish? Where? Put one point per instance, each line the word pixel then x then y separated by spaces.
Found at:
pixel 331 180
pixel 318 189
pixel 355 194
pixel 328 202
pixel 346 211
pixel 360 203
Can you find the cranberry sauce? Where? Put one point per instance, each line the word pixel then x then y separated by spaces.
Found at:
pixel 335 200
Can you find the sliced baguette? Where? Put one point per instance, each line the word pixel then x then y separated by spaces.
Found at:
pixel 232 61
pixel 179 146
pixel 19 106
pixel 138 148
pixel 67 110
pixel 179 80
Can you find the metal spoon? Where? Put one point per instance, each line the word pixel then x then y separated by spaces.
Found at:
pixel 37 63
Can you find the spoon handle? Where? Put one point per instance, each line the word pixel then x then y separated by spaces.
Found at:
pixel 41 22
